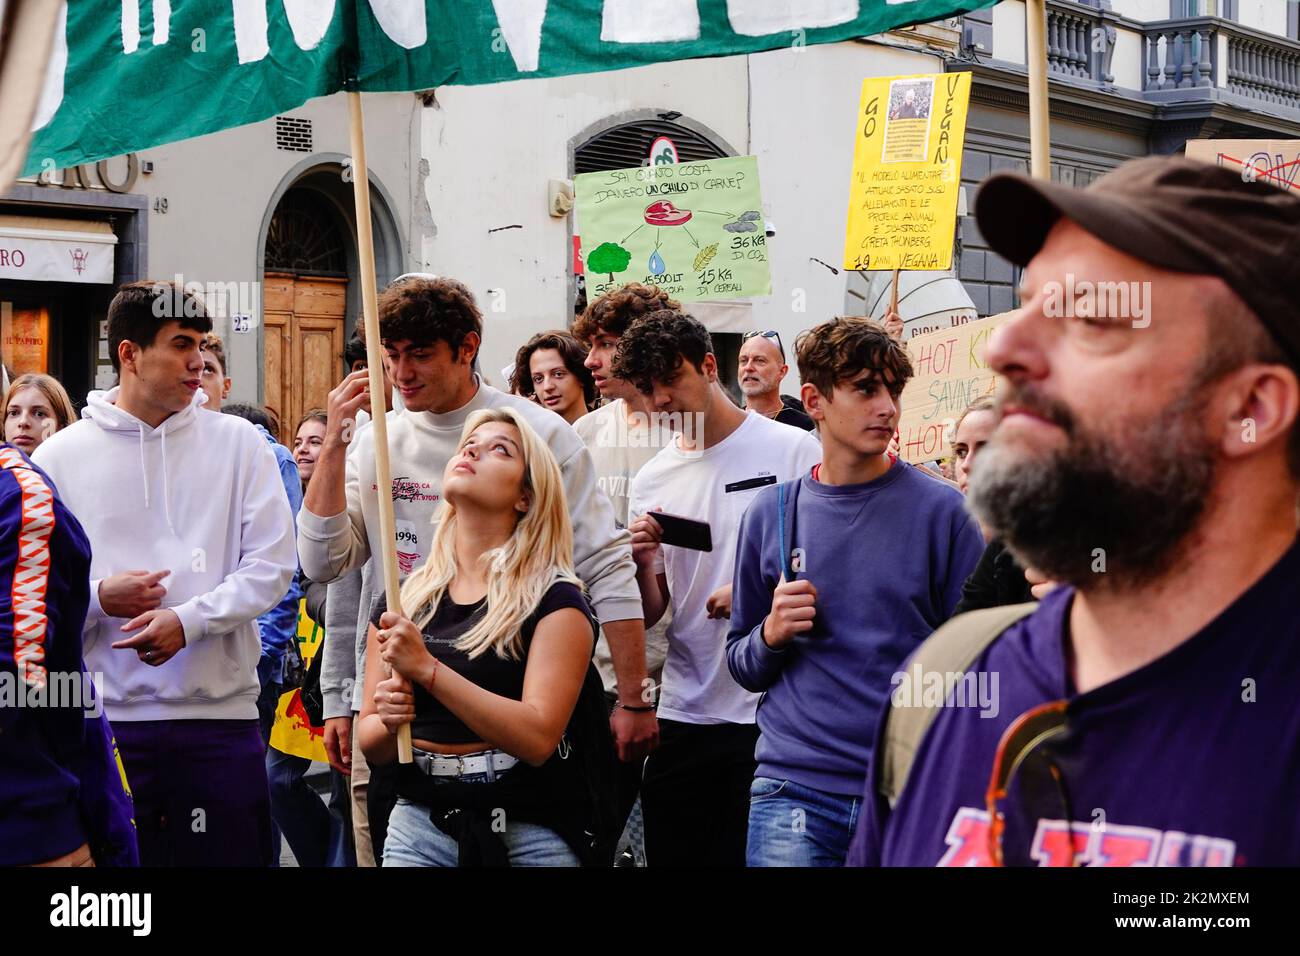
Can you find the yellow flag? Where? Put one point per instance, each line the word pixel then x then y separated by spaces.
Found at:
pixel 292 733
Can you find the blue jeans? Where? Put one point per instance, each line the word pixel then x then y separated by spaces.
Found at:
pixel 315 835
pixel 793 825
pixel 413 840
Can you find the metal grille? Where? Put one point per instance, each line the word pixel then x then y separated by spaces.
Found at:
pixel 293 134
pixel 629 145
pixel 304 238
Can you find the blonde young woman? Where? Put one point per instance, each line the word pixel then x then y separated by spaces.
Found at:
pixel 488 669
pixel 35 407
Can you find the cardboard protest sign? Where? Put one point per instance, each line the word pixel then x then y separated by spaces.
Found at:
pixel 1275 161
pixel 949 374
pixel 907 172
pixel 696 230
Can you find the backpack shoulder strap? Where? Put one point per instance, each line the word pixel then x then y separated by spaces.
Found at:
pixel 952 648
pixel 787 504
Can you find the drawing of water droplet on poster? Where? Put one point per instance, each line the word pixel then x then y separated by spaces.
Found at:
pixel 694 229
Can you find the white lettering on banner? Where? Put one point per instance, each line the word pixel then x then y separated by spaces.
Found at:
pixel 162 19
pixel 52 92
pixel 308 19
pixel 635 21
pixel 402 21
pixel 521 25
pixel 756 18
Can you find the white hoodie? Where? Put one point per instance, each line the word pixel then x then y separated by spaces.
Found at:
pixel 201 496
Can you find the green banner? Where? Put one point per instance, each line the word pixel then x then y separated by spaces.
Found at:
pixel 695 230
pixel 129 74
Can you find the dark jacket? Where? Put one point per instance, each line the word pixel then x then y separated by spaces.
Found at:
pixel 997 580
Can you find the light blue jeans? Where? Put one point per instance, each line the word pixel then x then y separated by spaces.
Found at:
pixel 413 840
pixel 793 825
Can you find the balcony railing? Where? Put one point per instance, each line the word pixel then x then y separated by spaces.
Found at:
pixel 1080 42
pixel 1185 59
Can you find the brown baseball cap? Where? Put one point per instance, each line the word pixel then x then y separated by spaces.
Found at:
pixel 1175 213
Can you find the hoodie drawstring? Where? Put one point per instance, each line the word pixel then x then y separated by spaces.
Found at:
pixel 166 510
pixel 144 472
pixel 144 477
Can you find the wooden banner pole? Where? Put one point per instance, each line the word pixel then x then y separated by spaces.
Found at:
pixel 1040 164
pixel 374 365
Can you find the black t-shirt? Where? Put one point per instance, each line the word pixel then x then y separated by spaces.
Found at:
pixel 450 622
pixel 792 416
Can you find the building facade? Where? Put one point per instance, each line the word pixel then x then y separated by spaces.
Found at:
pixel 1127 78
pixel 260 217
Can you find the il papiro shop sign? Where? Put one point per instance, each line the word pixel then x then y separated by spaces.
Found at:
pixel 949 372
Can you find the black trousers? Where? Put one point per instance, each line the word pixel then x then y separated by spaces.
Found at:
pixel 695 794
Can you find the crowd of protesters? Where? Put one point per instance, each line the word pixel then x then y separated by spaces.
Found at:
pixel 643 624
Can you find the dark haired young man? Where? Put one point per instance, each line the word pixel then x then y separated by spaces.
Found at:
pixel 695 795
pixel 354 353
pixel 431 330
pixel 549 368
pixel 840 574
pixel 184 560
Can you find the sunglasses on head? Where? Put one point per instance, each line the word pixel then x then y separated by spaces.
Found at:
pixel 769 334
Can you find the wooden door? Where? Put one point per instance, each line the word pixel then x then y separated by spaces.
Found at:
pixel 304 319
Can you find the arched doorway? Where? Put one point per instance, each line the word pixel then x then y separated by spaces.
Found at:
pixel 304 288
pixel 310 281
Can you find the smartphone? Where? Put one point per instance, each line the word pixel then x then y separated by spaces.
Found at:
pixel 684 532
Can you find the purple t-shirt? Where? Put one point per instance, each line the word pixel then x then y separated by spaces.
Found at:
pixel 1191 760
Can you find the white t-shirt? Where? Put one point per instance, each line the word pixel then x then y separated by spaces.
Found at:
pixel 619 450
pixel 714 485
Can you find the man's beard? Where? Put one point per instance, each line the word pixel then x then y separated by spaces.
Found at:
pixel 1102 511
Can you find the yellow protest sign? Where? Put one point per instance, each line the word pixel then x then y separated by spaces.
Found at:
pixel 949 372
pixel 292 732
pixel 907 172
pixel 1275 161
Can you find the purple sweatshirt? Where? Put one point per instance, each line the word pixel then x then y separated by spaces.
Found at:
pixel 888 558
pixel 60 780
pixel 1191 760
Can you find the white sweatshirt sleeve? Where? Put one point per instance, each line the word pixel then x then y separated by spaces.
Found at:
pixel 331 546
pixel 267 558
pixel 602 552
